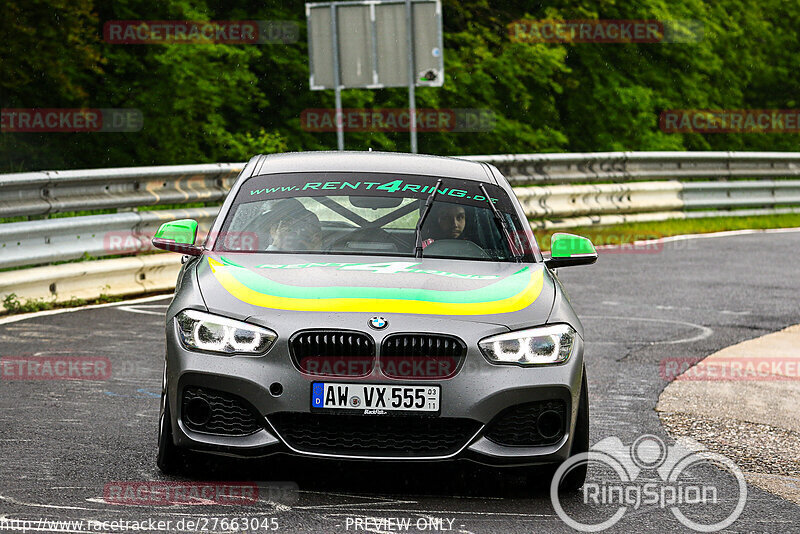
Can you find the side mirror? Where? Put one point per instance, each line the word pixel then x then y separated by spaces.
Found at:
pixel 178 236
pixel 568 249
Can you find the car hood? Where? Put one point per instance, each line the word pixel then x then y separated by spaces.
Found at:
pixel 328 288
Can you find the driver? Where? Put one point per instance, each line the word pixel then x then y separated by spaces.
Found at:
pixel 292 227
pixel 447 221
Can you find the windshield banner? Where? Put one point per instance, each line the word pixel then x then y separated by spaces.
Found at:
pixel 352 184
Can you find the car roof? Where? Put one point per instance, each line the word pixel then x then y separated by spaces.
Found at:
pixel 379 162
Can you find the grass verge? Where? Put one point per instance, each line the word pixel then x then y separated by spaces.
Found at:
pixel 627 233
pixel 13 304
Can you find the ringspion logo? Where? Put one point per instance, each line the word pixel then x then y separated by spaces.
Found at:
pixel 650 476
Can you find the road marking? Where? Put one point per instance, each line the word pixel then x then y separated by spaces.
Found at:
pixel 24 316
pixel 704 330
pixel 710 235
pixel 674 308
pixel 57 507
pixel 379 500
pixel 133 309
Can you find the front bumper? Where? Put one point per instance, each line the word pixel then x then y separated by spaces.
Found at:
pixel 479 392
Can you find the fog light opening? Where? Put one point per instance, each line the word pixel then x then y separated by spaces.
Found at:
pixel 197 411
pixel 549 424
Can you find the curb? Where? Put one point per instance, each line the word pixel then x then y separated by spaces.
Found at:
pixel 744 402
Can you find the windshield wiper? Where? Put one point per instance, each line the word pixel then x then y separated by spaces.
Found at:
pixel 421 221
pixel 502 225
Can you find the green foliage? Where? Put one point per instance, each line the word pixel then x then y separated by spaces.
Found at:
pixel 13 304
pixel 105 297
pixel 223 102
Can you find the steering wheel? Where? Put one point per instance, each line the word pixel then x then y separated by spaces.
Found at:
pixel 367 235
pixel 456 248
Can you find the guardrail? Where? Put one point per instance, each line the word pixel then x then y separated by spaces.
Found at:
pixel 47 192
pixel 556 191
pixel 630 166
pixel 70 238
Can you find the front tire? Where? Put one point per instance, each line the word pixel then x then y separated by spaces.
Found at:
pixel 580 442
pixel 171 458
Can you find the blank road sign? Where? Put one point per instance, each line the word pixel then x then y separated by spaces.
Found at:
pixel 372 41
pixel 355 45
pixel 321 55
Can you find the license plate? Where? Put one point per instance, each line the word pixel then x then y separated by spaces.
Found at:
pixel 374 399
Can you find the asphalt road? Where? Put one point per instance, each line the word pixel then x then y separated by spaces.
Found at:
pixel 62 442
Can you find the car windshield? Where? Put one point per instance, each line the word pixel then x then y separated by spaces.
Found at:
pixel 367 214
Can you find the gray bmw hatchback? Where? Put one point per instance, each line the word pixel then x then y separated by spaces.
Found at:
pixel 373 306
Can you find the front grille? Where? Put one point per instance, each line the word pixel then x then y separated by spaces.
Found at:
pixel 216 412
pixel 427 356
pixel 521 426
pixel 333 352
pixel 363 435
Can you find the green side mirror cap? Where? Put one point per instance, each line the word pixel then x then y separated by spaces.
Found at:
pixel 178 236
pixel 569 249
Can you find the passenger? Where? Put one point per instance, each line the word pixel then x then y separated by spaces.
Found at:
pixel 291 227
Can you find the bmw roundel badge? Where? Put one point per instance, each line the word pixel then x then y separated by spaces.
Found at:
pixel 378 323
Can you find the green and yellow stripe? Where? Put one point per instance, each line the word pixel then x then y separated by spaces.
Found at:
pixel 509 294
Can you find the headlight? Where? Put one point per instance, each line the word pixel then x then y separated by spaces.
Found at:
pixel 203 331
pixel 545 345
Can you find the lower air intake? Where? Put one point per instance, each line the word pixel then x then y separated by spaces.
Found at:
pixel 215 412
pixel 358 435
pixel 530 425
